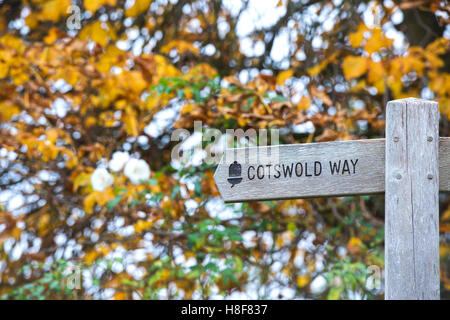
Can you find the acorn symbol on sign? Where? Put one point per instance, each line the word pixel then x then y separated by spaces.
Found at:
pixel 234 172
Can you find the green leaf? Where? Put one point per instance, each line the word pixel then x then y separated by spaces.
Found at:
pixel 111 204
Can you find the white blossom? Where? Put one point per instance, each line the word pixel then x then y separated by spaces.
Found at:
pixel 118 161
pixel 137 170
pixel 101 179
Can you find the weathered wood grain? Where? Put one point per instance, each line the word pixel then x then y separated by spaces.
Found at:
pixel 364 177
pixel 412 203
pixel 444 164
pixel 370 179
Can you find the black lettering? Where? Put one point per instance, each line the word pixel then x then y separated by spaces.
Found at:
pixel 306 170
pixel 296 169
pixel 335 167
pixel 288 170
pixel 345 167
pixel 277 169
pixel 248 172
pixel 354 165
pixel 268 167
pixel 260 177
pixel 317 168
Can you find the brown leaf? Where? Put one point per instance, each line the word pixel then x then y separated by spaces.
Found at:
pixel 327 135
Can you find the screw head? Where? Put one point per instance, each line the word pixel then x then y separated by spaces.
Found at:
pixel 396 139
pixel 430 139
pixel 398 176
pixel 430 176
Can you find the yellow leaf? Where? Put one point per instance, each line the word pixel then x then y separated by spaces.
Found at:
pixel 189 95
pixel 96 32
pixel 52 135
pixel 135 81
pixel 180 45
pixel 202 69
pixel 444 250
pixel 444 106
pixel 16 232
pixel 43 223
pixel 396 85
pixel 94 5
pixel 356 38
pixel 187 108
pixel 279 241
pixel 164 69
pixel 304 103
pixel 377 41
pixel 142 225
pixel 316 69
pixel 284 75
pixel 82 180
pixel 90 121
pixel 31 20
pixel 438 47
pixel 52 35
pixel 97 197
pixel 354 67
pixel 13 42
pixel 138 7
pixel 376 71
pixel 48 150
pixel 376 75
pixel 19 75
pixel 112 57
pixel 354 241
pixel 302 281
pixel 322 65
pixel 54 9
pixel 130 122
pixel 104 197
pixel 354 245
pixel 89 202
pixel 446 215
pixel 433 60
pixel 153 101
pixel 242 122
pixel 90 257
pixel 334 294
pixel 120 296
pixel 69 73
pixel 4 67
pixel 165 274
pixel 99 34
pixel 8 110
pixel 72 162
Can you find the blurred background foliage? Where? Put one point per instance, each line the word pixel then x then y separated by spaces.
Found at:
pixel 80 80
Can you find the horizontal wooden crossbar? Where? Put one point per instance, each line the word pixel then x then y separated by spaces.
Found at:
pixel 323 169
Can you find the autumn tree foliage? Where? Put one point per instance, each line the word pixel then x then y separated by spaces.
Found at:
pixel 81 81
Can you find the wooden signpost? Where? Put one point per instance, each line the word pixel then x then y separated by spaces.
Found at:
pixel 411 165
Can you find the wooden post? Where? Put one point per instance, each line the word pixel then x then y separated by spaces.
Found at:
pixel 412 200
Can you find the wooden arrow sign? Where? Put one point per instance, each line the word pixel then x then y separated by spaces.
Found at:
pixel 310 170
pixel 302 170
